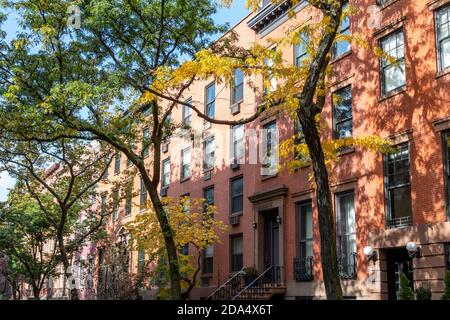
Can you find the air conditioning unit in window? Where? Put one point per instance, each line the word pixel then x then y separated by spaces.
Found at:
pixel 235 108
pixel 207 175
pixel 165 147
pixel 163 192
pixel 235 220
pixel 235 164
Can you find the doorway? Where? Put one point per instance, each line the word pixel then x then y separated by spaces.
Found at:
pixel 271 239
pixel 398 262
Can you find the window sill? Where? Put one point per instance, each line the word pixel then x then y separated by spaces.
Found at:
pixel 185 179
pixel 393 93
pixel 206 276
pixel 237 214
pixel 264 178
pixel 387 4
pixel 346 151
pixel 341 57
pixel 443 73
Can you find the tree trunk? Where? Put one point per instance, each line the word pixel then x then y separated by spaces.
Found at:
pixel 172 254
pixel 36 292
pixel 66 264
pixel 327 228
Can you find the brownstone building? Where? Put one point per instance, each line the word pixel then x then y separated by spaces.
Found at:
pixel 381 203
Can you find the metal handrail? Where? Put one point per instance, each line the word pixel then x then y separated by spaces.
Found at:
pixel 252 283
pixel 241 272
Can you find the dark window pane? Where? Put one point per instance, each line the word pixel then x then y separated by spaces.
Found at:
pixel 401 202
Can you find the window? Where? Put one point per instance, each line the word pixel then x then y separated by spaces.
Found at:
pixel 393 75
pixel 186 203
pixel 301 155
pixel 398 188
pixel 342 46
pixel 210 99
pixel 106 168
pixel 168 127
pixel 165 176
pixel 187 113
pixel 208 153
pixel 185 250
pixel 104 205
pixel 304 230
pixel 443 37
pixel 346 234
pixel 342 113
pixel 270 145
pixel 208 259
pixel 146 143
pixel 272 81
pixel 237 144
pixel 301 50
pixel 90 280
pixel 237 195
pixel 446 147
pixel 237 90
pixel 447 255
pixel 133 148
pixel 141 260
pixel 185 163
pixel 236 253
pixel 115 205
pixel 117 158
pixel 128 198
pixel 208 195
pixel 143 193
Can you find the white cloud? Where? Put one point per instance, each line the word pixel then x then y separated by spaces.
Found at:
pixel 6 182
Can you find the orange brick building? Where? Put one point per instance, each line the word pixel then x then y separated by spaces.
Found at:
pixel 382 202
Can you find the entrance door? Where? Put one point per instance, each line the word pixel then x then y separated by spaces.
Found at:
pixel 271 239
pixel 398 262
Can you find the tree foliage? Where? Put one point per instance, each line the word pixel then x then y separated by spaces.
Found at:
pixel 193 224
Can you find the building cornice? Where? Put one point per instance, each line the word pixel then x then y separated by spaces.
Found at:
pixel 269 194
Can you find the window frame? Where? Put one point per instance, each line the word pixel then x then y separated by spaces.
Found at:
pixel 335 122
pixel 205 190
pixel 387 188
pixel 212 103
pixel 208 261
pixel 183 165
pixel 334 55
pixel 440 65
pixel 116 204
pixel 298 227
pixel 339 226
pixel 233 196
pixel 164 174
pixel 233 255
pixel 146 142
pixel 446 159
pixel 117 160
pixel 383 91
pixel 212 154
pixel 237 86
pixel 187 113
pixel 236 142
pixel 297 46
pixel 143 195
pixel 129 199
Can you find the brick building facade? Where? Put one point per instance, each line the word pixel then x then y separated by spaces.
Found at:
pixel 380 201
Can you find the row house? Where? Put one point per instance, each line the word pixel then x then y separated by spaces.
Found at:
pixel 392 211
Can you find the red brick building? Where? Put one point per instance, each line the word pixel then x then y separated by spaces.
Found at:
pixel 380 201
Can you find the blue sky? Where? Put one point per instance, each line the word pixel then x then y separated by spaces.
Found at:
pixel 231 15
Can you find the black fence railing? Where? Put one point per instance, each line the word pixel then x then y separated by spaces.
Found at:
pixel 303 269
pixel 258 288
pixel 229 289
pixel 347 266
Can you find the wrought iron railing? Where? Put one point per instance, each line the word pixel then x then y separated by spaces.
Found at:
pixel 229 289
pixel 262 285
pixel 399 222
pixel 347 266
pixel 303 269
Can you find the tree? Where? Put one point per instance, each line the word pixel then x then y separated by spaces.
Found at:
pixel 74 77
pixel 446 295
pixel 25 232
pixel 193 224
pixel 62 192
pixel 405 292
pixel 300 94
